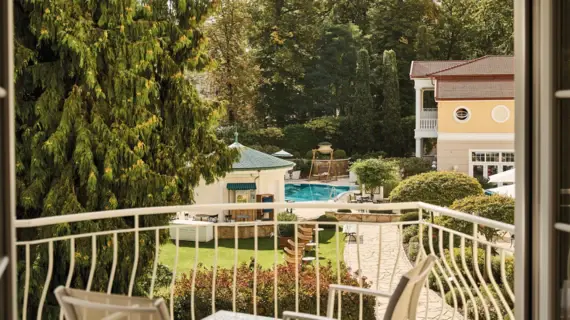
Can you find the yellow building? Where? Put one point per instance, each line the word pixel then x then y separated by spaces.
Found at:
pixel 473 117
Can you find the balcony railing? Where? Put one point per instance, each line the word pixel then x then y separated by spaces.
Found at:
pixel 428 124
pixel 472 278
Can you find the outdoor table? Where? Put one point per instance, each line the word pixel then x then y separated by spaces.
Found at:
pixel 349 231
pixel 243 217
pixel 227 315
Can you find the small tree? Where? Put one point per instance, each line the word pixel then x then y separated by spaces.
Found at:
pixel 375 173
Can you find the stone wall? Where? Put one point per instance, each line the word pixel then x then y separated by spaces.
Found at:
pixel 244 232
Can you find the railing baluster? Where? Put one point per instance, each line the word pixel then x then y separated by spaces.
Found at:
pixel 438 279
pixel 26 284
pixel 451 275
pixel 461 278
pixel 399 252
pixel 494 283
pixel 504 277
pixel 93 262
pixel 173 281
pixel 215 269
pixel 360 306
pixel 114 265
pixel 296 268
pixel 234 284
pixel 155 264
pixel 196 253
pixel 255 248
pixel 473 283
pixel 71 268
pixel 482 279
pixel 48 280
pixel 338 278
pixel 275 282
pixel 317 236
pixel 136 260
pixel 379 255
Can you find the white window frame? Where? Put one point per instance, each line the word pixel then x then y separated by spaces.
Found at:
pixel 499 163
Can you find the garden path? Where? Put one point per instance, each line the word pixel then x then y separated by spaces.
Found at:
pixel 393 264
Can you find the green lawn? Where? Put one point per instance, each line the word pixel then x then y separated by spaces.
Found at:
pixel 226 254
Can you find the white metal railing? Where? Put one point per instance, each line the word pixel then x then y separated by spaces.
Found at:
pixel 428 124
pixel 460 285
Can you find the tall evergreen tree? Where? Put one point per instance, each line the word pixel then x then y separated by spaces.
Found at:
pixel 361 114
pixel 391 119
pixel 106 120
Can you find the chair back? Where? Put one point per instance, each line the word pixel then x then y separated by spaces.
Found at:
pixel 291 243
pixel 291 252
pixel 79 304
pixel 404 301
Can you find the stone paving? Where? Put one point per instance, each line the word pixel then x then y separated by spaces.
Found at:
pixel 392 266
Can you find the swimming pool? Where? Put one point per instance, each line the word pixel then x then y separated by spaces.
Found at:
pixel 312 192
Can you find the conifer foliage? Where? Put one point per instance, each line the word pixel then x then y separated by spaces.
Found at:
pixel 107 120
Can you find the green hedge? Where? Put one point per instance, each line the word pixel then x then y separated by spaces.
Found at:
pixel 438 188
pixel 413 166
pixel 495 207
pixel 265 292
pixel 286 230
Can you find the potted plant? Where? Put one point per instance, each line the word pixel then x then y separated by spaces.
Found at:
pixel 286 231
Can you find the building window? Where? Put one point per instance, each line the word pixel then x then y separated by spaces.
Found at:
pixel 462 114
pixel 483 163
pixel 501 114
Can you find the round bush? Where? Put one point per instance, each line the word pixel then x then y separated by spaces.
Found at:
pixel 410 216
pixel 344 211
pixel 495 207
pixel 339 154
pixel 327 218
pixel 438 188
pixel 309 154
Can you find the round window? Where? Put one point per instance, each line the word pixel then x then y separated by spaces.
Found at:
pixel 501 114
pixel 462 114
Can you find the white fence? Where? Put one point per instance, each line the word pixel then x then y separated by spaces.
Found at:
pixel 465 275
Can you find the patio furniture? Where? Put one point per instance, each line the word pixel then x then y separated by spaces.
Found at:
pixel 78 304
pixel 296 175
pixel 349 231
pixel 402 303
pixel 228 315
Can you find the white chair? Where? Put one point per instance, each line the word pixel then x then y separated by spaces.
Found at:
pixel 79 304
pixel 402 303
pixel 296 175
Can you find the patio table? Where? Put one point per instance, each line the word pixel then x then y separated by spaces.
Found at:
pixel 227 315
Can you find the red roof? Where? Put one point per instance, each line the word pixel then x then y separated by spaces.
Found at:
pixel 477 89
pixel 421 69
pixel 484 66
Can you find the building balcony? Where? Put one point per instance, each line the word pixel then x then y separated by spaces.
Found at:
pixel 426 126
pixel 369 247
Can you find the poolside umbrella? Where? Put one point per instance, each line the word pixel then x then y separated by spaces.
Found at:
pixel 282 154
pixel 505 176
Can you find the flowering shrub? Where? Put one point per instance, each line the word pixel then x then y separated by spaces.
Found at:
pixel 265 292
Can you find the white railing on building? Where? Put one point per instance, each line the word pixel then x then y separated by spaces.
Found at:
pixel 428 124
pixel 471 285
pixel 429 113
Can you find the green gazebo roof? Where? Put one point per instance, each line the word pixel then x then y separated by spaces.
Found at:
pixel 251 159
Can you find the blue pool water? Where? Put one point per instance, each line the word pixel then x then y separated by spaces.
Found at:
pixel 312 192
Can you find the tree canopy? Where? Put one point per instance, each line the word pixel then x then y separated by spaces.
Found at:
pixel 106 119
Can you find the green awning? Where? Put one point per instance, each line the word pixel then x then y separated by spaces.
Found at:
pixel 241 186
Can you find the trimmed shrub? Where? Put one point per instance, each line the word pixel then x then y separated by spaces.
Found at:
pixel 409 233
pixel 410 216
pixel 286 230
pixel 339 154
pixel 202 305
pixel 413 166
pixel 327 218
pixel 438 188
pixel 309 154
pixel 269 149
pixel 494 207
pixel 344 211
